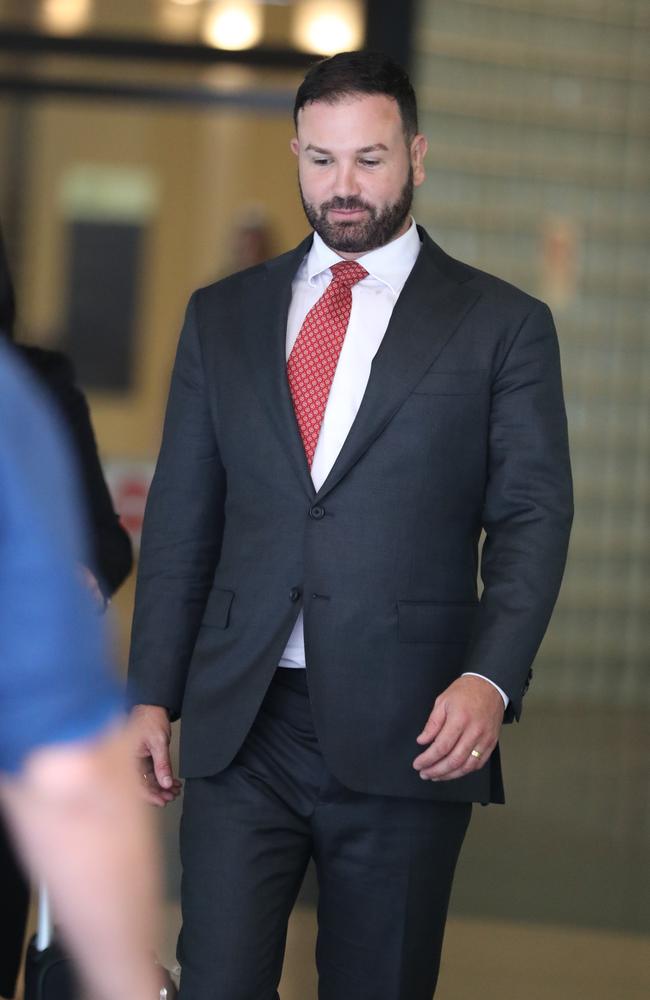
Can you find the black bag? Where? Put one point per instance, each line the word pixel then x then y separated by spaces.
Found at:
pixel 49 972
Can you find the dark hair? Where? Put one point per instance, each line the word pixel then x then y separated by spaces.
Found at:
pixel 7 301
pixel 362 72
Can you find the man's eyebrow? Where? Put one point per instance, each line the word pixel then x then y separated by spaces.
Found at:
pixel 310 148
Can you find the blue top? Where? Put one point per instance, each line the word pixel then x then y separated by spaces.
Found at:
pixel 55 681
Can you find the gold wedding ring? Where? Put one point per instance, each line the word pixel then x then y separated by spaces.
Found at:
pixel 476 753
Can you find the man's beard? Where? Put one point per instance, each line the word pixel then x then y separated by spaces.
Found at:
pixel 375 231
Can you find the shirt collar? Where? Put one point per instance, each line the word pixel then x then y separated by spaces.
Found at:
pixel 390 264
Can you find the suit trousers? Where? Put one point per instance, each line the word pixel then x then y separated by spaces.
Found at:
pixel 384 865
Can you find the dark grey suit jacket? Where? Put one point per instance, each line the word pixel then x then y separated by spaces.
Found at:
pixel 462 428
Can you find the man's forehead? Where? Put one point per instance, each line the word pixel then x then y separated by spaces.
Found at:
pixel 351 112
pixel 357 103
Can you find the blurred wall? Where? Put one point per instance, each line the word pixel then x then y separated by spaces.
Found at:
pixel 197 170
pixel 202 168
pixel 539 171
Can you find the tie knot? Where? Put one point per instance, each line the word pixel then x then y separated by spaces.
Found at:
pixel 348 272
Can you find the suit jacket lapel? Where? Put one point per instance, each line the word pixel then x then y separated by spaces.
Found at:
pixel 427 313
pixel 264 335
pixel 429 310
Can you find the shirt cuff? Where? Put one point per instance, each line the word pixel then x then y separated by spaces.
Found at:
pixel 506 699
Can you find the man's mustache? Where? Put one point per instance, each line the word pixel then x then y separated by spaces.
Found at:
pixel 345 204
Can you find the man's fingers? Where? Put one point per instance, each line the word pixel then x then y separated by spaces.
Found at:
pixel 153 760
pixel 151 789
pixel 473 712
pixel 434 724
pixel 443 744
pixel 460 761
pixel 150 734
pixel 153 798
pixel 156 747
pixel 162 764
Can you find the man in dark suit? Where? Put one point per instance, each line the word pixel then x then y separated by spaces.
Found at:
pixel 343 423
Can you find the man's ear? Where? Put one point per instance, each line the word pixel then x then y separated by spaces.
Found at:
pixel 294 146
pixel 418 151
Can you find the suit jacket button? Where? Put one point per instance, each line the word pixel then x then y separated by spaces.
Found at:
pixel 316 513
pixel 294 594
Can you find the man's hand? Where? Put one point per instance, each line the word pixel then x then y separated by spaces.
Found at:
pixel 467 716
pixel 150 735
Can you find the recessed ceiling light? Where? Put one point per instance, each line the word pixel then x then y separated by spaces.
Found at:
pixel 327 26
pixel 62 17
pixel 233 24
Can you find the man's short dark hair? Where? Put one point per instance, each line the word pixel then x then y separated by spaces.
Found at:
pixel 7 302
pixel 365 72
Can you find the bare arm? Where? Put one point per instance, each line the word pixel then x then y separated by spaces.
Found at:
pixel 79 824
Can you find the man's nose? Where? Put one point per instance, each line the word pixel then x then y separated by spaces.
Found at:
pixel 346 182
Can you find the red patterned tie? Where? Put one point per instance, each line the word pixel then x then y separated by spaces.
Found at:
pixel 313 360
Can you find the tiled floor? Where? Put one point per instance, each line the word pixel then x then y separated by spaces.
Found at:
pixel 497 960
pixel 489 960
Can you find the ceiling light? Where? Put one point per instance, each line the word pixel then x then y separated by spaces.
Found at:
pixel 233 24
pixel 328 26
pixel 63 17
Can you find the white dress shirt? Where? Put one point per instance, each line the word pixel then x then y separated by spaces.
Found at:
pixel 373 301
